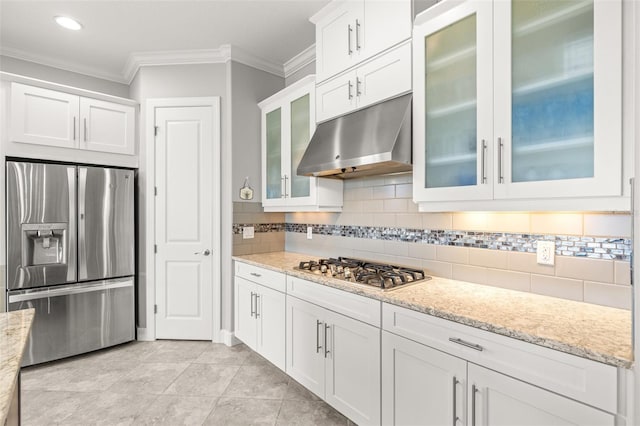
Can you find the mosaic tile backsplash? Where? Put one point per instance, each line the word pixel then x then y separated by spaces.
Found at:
pixel 566 245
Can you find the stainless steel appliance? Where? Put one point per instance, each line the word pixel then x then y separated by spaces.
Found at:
pixel 70 255
pixel 381 275
pixel 373 141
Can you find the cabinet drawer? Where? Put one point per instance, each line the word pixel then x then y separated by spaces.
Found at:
pixel 342 302
pixel 588 381
pixel 265 277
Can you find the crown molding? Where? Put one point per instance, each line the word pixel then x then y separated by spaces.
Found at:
pixel 222 54
pixel 136 60
pixel 301 60
pixel 173 57
pixel 63 65
pixel 239 55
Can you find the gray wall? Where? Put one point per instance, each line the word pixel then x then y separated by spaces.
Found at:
pixel 166 82
pixel 248 87
pixel 60 76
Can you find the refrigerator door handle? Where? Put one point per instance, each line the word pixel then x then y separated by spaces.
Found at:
pixel 72 289
pixel 71 232
pixel 82 245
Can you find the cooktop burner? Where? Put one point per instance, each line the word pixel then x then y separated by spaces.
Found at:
pixel 384 276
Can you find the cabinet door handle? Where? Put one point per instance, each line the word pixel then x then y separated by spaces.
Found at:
pixel 257 306
pixel 500 173
pixel 350 94
pixel 253 312
pixel 632 182
pixel 349 31
pixel 455 409
pixel 465 343
pixel 283 185
pixel 358 83
pixel 286 193
pixel 318 345
pixel 483 159
pixel 326 349
pixel 74 128
pixel 357 35
pixel 256 274
pixel 474 390
pixel 85 129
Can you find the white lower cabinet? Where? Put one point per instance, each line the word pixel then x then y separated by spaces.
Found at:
pixel 425 386
pixel 260 319
pixel 420 384
pixel 397 366
pixel 499 400
pixel 435 373
pixel 336 357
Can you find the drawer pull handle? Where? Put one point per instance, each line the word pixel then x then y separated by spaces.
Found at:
pixel 255 274
pixel 467 344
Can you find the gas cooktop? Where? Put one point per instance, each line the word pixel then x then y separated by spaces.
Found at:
pixel 384 276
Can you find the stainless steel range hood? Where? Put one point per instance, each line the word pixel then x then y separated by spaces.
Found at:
pixel 372 141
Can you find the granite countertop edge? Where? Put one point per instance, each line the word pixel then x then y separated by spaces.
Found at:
pixel 14 332
pixel 555 344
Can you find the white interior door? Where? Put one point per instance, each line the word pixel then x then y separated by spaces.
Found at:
pixel 184 211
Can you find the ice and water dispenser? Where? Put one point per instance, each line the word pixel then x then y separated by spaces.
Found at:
pixel 44 244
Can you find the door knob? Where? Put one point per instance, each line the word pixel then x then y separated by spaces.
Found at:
pixel 207 252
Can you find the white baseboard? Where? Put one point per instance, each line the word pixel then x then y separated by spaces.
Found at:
pixel 144 335
pixel 228 338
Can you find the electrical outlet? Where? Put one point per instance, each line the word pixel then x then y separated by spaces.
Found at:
pixel 545 252
pixel 309 232
pixel 247 232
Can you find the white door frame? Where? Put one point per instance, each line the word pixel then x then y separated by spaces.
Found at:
pixel 151 105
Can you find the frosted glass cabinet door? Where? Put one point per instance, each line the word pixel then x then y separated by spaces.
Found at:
pixel 564 81
pixel 453 104
pixel 274 154
pixel 451 107
pixel 300 136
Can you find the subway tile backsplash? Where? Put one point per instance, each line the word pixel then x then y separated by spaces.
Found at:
pixel 379 221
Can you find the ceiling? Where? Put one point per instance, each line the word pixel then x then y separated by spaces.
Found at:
pixel 273 30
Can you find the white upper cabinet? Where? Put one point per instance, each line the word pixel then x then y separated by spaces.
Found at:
pixel 349 32
pixel 336 45
pixel 380 78
pixel 518 105
pixel 44 117
pixel 363 54
pixel 107 127
pixel 288 122
pixel 57 119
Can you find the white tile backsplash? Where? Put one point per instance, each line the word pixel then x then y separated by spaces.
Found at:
pixel 386 201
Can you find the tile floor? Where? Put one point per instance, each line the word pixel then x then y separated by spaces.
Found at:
pixel 172 383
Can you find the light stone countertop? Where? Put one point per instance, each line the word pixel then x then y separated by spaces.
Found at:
pixel 14 332
pixel 594 332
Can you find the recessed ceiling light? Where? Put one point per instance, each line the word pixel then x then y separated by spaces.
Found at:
pixel 68 23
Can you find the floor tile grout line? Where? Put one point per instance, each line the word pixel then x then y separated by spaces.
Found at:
pixel 279 411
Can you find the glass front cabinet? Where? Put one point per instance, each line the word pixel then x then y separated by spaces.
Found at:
pixel 288 122
pixel 517 101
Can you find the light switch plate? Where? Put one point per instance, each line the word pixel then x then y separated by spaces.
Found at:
pixel 247 232
pixel 545 252
pixel 309 232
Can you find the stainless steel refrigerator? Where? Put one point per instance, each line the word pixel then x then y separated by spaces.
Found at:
pixel 70 255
